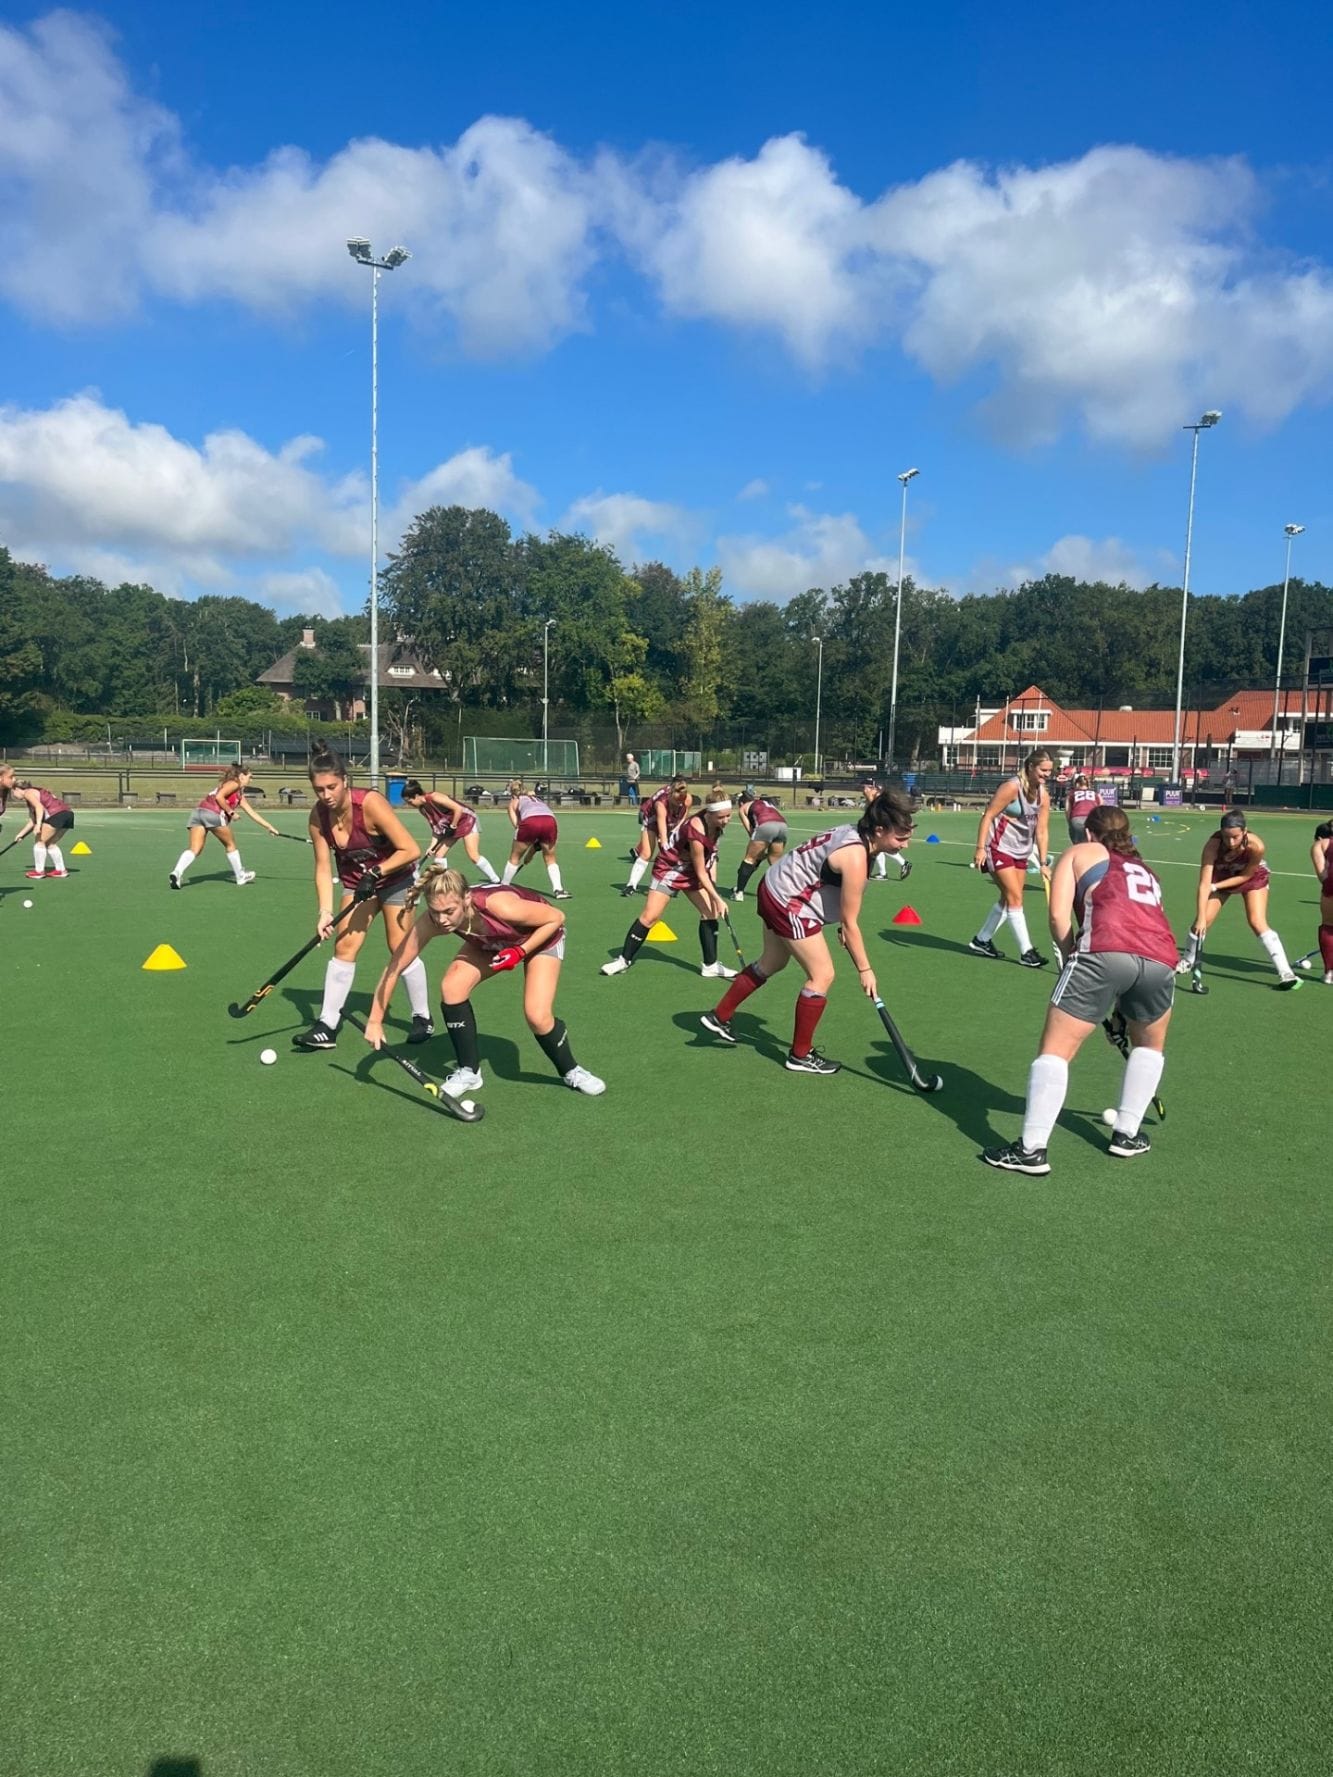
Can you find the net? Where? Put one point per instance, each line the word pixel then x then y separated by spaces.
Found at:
pixel 666 762
pixel 211 752
pixel 490 756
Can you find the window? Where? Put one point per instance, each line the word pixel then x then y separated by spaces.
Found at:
pixel 1159 759
pixel 402 672
pixel 1029 721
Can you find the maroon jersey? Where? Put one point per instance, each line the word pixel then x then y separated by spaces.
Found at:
pixel 362 849
pixel 51 804
pixel 1240 862
pixel 216 803
pixel 761 811
pixel 497 934
pixel 676 856
pixel 1119 907
pixel 1081 804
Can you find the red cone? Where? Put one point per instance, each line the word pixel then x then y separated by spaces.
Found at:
pixel 907 916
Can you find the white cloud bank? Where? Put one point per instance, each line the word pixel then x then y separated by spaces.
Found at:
pixel 818 549
pixel 1123 289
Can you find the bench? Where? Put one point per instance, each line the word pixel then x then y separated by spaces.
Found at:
pixel 128 798
pixel 166 796
pixel 72 796
pixel 291 797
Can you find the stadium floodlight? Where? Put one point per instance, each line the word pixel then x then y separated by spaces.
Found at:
pixel 363 253
pixel 1290 532
pixel 906 476
pixel 819 696
pixel 547 627
pixel 1204 423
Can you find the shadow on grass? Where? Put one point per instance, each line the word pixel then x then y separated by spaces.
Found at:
pixel 176 1767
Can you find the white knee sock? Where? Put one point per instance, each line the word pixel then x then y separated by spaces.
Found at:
pixel 994 920
pixel 337 986
pixel 1019 921
pixel 39 856
pixel 903 862
pixel 1273 945
pixel 234 859
pixel 510 871
pixel 881 867
pixel 414 980
pixel 1048 1081
pixel 637 871
pixel 485 867
pixel 553 871
pixel 1142 1072
pixel 54 857
pixel 183 863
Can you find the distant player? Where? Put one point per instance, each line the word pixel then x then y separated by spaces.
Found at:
pixel 1233 864
pixel 1080 800
pixel 659 815
pixel 1014 828
pixel 1321 856
pixel 535 830
pixel 215 815
pixel 819 883
pixel 501 928
pixel 870 788
pixel 357 833
pixel 685 865
pixel 449 821
pixel 1123 955
pixel 49 819
pixel 766 832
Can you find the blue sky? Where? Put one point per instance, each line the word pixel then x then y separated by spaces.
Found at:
pixel 698 281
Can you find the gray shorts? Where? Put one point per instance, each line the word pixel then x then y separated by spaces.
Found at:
pixel 394 897
pixel 769 833
pixel 207 818
pixel 1078 830
pixel 1093 983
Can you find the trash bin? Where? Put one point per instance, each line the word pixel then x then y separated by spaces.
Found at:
pixel 393 788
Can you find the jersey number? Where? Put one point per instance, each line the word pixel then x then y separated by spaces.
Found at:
pixel 1142 886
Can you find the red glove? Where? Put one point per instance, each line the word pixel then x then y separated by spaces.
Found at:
pixel 508 959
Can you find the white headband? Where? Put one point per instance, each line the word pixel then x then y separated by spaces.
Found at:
pixel 723 807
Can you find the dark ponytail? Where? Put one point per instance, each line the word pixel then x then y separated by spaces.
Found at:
pixel 327 759
pixel 412 788
pixel 1110 827
pixel 891 808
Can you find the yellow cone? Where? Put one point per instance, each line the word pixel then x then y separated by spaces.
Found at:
pixel 164 957
pixel 661 933
pixel 593 845
pixel 80 850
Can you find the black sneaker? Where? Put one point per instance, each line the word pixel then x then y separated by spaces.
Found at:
pixel 1017 1158
pixel 560 895
pixel 813 1063
pixel 983 947
pixel 906 870
pixel 1125 1147
pixel 1286 984
pixel 718 1026
pixel 1033 959
pixel 422 1030
pixel 174 880
pixel 626 892
pixel 319 1036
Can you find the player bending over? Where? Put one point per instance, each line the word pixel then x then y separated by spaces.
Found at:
pixel 48 820
pixel 766 829
pixel 448 821
pixel 215 815
pixel 535 830
pixel 685 865
pixel 1233 864
pixel 659 815
pixel 1321 856
pixel 870 788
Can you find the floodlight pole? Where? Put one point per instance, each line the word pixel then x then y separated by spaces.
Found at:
pixel 819 697
pixel 546 701
pixel 361 251
pixel 1205 423
pixel 1291 532
pixel 904 478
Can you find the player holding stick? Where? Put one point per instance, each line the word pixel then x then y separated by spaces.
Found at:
pixel 659 815
pixel 357 832
pixel 535 830
pixel 1232 863
pixel 1123 956
pixel 48 818
pixel 501 928
pixel 685 865
pixel 448 821
pixel 1321 857
pixel 766 828
pixel 820 883
pixel 215 814
pixel 1015 827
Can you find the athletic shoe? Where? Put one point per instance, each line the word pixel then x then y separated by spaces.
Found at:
pixel 319 1036
pixel 422 1029
pixel 1125 1147
pixel 717 972
pixel 718 1026
pixel 244 877
pixel 1286 983
pixel 560 895
pixel 906 870
pixel 1328 977
pixel 813 1063
pixel 1184 966
pixel 616 966
pixel 983 947
pixel 461 1080
pixel 626 892
pixel 1033 959
pixel 175 881
pixel 34 875
pixel 739 895
pixel 578 1079
pixel 59 875
pixel 1017 1158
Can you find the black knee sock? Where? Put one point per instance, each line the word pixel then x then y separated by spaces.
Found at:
pixel 635 939
pixel 743 875
pixel 555 1047
pixel 461 1023
pixel 708 941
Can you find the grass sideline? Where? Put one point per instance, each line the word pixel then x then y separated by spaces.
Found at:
pixel 731 1423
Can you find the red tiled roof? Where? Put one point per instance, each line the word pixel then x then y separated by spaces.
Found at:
pixel 1246 710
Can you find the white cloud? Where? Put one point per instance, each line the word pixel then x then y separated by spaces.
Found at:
pixel 820 549
pixel 471 477
pixel 625 523
pixel 753 490
pixel 307 590
pixel 1107 558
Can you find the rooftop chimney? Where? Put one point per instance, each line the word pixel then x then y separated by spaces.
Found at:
pixel 307 638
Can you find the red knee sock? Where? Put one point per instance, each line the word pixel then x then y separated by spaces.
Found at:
pixel 1326 945
pixel 809 1011
pixel 741 988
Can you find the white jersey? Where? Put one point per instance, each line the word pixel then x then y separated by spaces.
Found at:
pixel 804 879
pixel 1014 831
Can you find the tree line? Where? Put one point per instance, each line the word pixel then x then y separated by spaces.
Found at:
pixel 641 651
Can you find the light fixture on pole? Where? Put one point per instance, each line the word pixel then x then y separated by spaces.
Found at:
pixel 819 696
pixel 360 250
pixel 546 682
pixel 1204 423
pixel 904 478
pixel 1290 532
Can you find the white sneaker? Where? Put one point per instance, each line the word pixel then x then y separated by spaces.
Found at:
pixel 739 895
pixel 1328 977
pixel 717 972
pixel 578 1079
pixel 461 1080
pixel 616 966
pixel 1184 966
pixel 244 877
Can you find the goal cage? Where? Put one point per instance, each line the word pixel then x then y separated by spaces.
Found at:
pixel 491 756
pixel 665 762
pixel 210 752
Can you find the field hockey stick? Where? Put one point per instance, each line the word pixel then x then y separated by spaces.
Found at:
pixel 1197 983
pixel 735 941
pixel 9 847
pixel 1056 951
pixel 905 1055
pixel 1302 962
pixel 1118 1037
pixel 293 838
pixel 450 1106
pixel 263 992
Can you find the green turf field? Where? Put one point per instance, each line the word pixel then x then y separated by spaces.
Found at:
pixel 734 1422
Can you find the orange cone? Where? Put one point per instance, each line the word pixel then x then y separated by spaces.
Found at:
pixel 907 916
